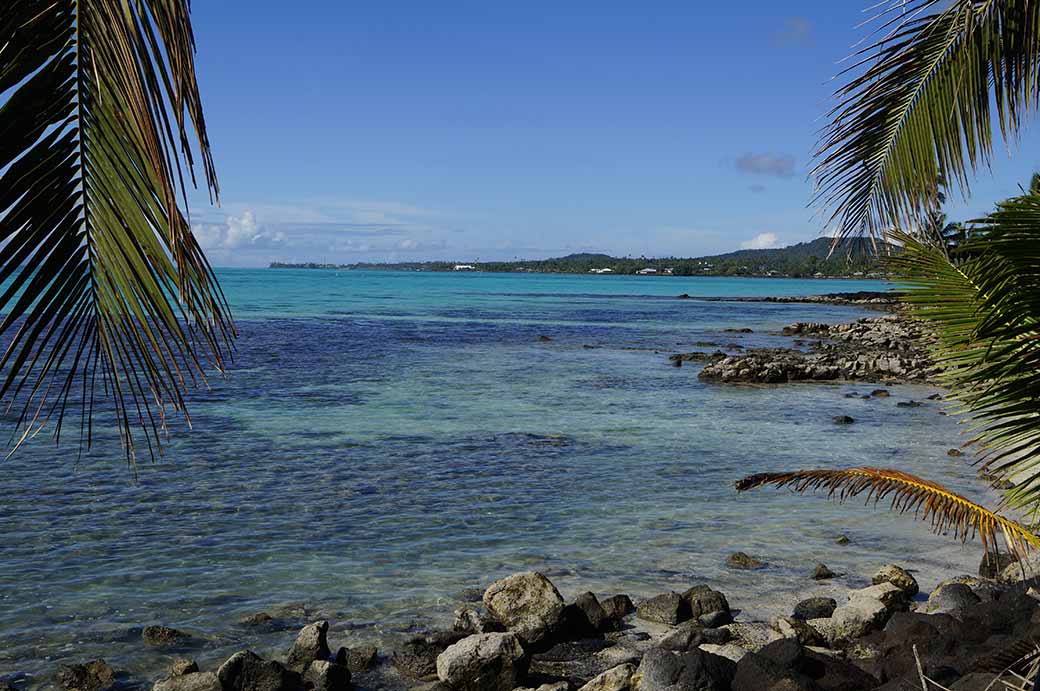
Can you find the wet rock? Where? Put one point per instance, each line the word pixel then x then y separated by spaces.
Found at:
pixel 574 661
pixel 417 657
pixel 741 560
pixel 843 420
pixel 993 564
pixel 683 637
pixel 908 404
pixel 164 636
pixel 897 576
pixel 311 644
pixel 669 608
pixel 953 599
pixel 707 605
pixel 615 679
pixel 260 619
pixel 181 667
pixel 93 676
pixel 815 608
pixel 527 604
pixel 954 453
pixel 358 659
pixel 247 671
pixel 842 540
pixel 617 607
pixel 695 670
pixel 594 612
pixel 327 676
pixel 744 330
pixel 545 339
pixel 822 573
pixel 683 296
pixel 194 681
pixel 471 621
pixel 880 393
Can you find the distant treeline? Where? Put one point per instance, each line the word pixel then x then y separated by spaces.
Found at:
pixel 851 258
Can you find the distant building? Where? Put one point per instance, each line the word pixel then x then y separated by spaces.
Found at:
pixel 463 267
pixel 601 271
pixel 646 272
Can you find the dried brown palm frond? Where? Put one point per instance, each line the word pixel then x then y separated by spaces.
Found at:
pixel 1019 674
pixel 945 509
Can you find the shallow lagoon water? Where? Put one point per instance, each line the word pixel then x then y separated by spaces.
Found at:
pixel 386 441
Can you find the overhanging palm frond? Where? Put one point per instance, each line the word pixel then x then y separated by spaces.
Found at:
pixel 984 309
pixel 104 290
pixel 908 493
pixel 921 104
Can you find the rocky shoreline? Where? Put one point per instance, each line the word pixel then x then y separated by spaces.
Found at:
pixel 523 635
pixel 887 349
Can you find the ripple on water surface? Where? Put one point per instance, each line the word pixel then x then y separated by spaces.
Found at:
pixel 386 442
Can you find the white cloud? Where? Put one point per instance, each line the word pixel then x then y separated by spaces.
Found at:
pixel 762 241
pixel 774 165
pixel 236 232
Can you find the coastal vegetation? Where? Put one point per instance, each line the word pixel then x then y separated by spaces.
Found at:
pixel 921 108
pixel 109 304
pixel 852 258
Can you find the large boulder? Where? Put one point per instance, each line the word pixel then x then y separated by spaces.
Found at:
pixel 357 659
pixel 894 598
pixel 614 679
pixel 695 670
pixel 617 607
pixel 897 576
pixel 815 608
pixel 850 621
pixel 669 608
pixel 483 662
pixel 247 671
pixel 951 598
pixel 702 601
pixel 93 676
pixel 594 612
pixel 323 675
pixel 527 604
pixel 193 681
pixel 311 644
pixel 752 635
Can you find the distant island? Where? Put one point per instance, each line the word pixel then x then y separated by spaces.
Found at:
pixel 854 258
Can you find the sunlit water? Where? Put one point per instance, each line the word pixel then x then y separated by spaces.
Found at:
pixel 386 441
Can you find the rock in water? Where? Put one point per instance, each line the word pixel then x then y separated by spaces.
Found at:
pixel 815 608
pixel 164 636
pixel 527 604
pixel 417 658
pixel 93 676
pixel 195 681
pixel 740 560
pixel 843 420
pixel 842 540
pixel 483 662
pixel 954 453
pixel 618 607
pixel 615 679
pixel 822 573
pixel 357 659
pixel 181 667
pixel 897 576
pixel 311 644
pixel 328 676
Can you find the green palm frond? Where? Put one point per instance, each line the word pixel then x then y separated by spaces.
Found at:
pixel 907 493
pixel 986 313
pixel 921 104
pixel 105 292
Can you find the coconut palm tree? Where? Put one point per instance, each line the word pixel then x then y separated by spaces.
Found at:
pixel 109 305
pixel 924 103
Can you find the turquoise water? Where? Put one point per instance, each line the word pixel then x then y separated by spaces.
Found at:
pixel 385 441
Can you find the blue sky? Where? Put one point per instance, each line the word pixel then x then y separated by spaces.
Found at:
pixel 393 130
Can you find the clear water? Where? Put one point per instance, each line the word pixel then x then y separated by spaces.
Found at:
pixel 387 440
